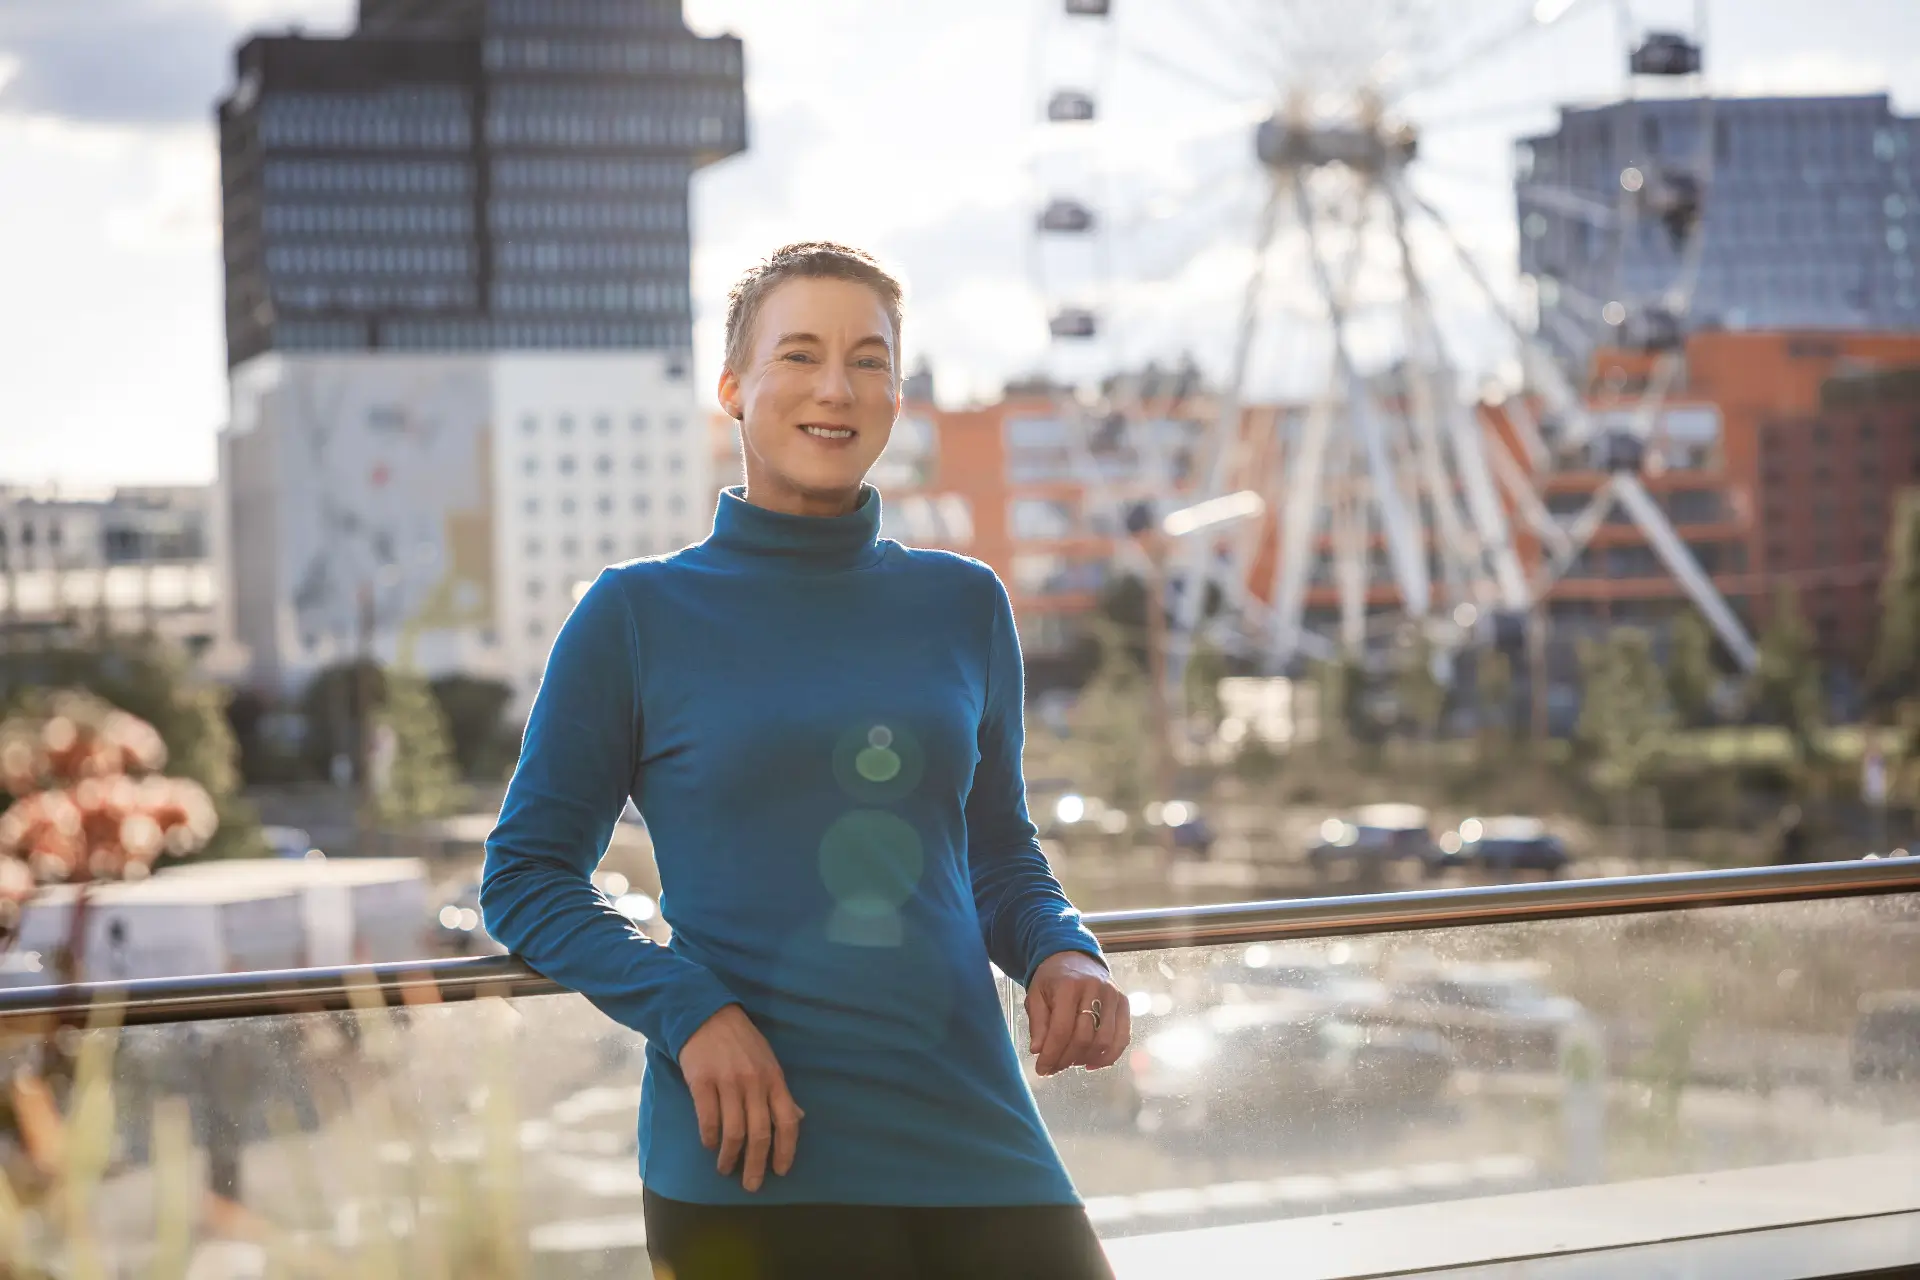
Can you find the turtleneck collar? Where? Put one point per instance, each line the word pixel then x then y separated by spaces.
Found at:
pixel 745 533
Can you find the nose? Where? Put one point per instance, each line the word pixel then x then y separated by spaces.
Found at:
pixel 831 385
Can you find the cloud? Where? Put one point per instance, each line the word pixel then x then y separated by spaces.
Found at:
pixel 1807 73
pixel 131 62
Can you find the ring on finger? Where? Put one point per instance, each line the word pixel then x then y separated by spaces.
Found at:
pixel 1093 1011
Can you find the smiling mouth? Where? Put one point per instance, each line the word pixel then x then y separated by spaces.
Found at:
pixel 828 433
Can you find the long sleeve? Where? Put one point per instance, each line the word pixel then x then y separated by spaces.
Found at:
pixel 577 765
pixel 1024 914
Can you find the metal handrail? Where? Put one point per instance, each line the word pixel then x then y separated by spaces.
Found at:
pixel 192 999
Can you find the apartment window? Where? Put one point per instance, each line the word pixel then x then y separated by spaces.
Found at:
pixel 536 629
pixel 603 464
pixel 533 588
pixel 676 464
pixel 676 504
pixel 566 424
pixel 674 425
pixel 637 424
pixel 566 506
pixel 604 505
pixel 531 506
pixel 640 504
pixel 570 547
pixel 529 425
pixel 602 425
pixel 531 466
pixel 606 546
pixel 640 463
pixel 533 546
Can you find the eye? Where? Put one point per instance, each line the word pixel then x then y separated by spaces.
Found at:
pixel 799 357
pixel 872 362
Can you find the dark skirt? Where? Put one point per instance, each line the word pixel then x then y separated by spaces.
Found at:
pixel 871 1242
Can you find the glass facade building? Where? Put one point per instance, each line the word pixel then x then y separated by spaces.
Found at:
pixel 472 175
pixel 1809 214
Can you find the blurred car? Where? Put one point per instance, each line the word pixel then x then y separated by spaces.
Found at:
pixel 1509 844
pixel 1375 835
pixel 1282 1057
pixel 1188 827
pixel 1886 1037
pixel 1263 971
pixel 287 842
pixel 1494 1017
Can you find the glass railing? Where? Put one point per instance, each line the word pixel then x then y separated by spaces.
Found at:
pixel 1364 1086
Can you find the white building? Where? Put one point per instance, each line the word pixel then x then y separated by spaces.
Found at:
pixel 439 511
pixel 131 559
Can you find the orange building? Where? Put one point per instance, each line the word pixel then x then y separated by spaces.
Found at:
pixel 1756 475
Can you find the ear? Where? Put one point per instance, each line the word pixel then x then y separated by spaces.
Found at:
pixel 729 393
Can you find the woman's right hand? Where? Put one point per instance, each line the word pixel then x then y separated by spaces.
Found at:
pixel 740 1096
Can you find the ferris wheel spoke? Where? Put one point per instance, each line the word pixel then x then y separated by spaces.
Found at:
pixel 1519 488
pixel 1196 565
pixel 1177 70
pixel 1572 204
pixel 1576 423
pixel 1539 16
pixel 1407 555
pixel 1298 529
pixel 1464 434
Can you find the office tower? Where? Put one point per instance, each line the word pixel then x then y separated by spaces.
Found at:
pixel 1808 215
pixel 459 323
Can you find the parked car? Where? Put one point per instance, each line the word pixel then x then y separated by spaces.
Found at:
pixel 1886 1037
pixel 1262 972
pixel 1282 1058
pixel 1375 835
pixel 1495 1017
pixel 1511 844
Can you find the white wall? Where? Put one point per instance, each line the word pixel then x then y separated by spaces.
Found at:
pixel 602 458
pixel 384 468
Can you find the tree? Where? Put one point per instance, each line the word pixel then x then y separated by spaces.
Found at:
pixel 1624 716
pixel 1690 673
pixel 1206 668
pixel 148 678
pixel 1493 683
pixel 330 706
pixel 414 775
pixel 1895 674
pixel 1422 698
pixel 1112 725
pixel 1786 683
pixel 472 708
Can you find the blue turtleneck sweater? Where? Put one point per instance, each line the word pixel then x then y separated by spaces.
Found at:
pixel 823 731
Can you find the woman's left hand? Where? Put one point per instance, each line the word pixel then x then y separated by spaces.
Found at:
pixel 1075 1015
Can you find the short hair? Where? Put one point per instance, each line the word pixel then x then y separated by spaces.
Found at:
pixel 806 260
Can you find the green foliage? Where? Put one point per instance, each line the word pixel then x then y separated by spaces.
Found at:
pixel 482 745
pixel 148 678
pixel 1206 668
pixel 1625 721
pixel 1785 686
pixel 1895 672
pixel 330 705
pixel 1493 679
pixel 421 780
pixel 1421 696
pixel 1690 672
pixel 1111 721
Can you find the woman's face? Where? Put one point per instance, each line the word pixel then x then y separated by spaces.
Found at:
pixel 817 397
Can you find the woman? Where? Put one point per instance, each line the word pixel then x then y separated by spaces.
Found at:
pixel 823 730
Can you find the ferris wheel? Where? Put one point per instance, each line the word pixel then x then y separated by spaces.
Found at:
pixel 1232 213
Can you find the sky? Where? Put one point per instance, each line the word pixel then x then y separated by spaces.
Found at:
pixel 908 128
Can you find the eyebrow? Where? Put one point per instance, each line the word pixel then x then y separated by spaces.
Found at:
pixel 871 340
